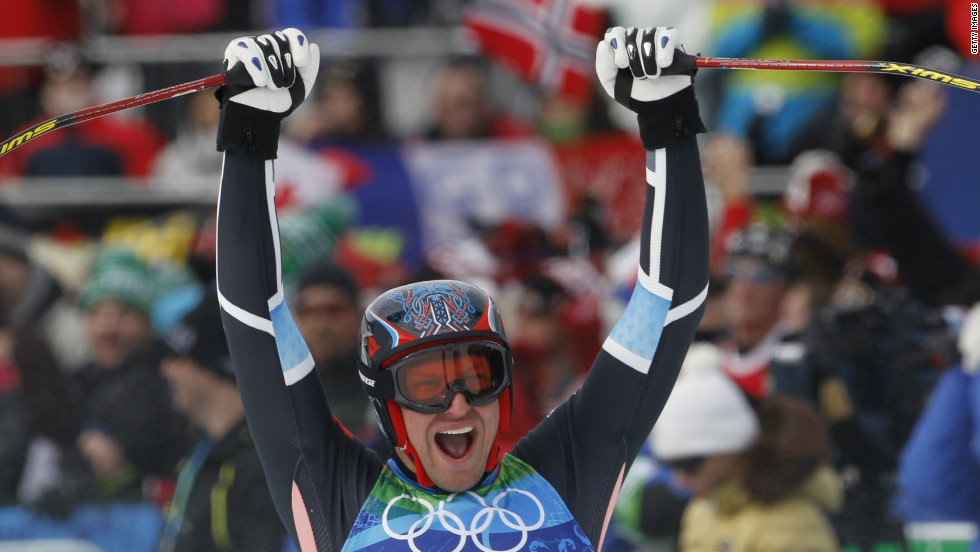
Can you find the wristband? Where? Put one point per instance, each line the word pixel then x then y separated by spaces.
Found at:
pixel 253 131
pixel 665 121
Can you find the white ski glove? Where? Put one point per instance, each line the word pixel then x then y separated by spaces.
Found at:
pixel 267 77
pixel 644 71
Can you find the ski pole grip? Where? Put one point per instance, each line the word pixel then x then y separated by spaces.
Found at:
pixel 683 63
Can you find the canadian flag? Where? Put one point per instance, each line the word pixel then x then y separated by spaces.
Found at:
pixel 550 43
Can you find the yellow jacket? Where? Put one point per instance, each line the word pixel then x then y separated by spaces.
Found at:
pixel 731 522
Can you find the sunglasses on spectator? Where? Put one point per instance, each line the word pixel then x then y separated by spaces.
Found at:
pixel 753 273
pixel 325 310
pixel 690 465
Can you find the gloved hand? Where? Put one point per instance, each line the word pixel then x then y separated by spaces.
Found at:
pixel 267 77
pixel 641 70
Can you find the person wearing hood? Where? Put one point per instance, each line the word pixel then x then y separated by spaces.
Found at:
pixel 759 480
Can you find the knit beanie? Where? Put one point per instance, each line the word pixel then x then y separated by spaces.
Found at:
pixel 706 413
pixel 310 234
pixel 200 336
pixel 329 274
pixel 119 275
pixel 773 245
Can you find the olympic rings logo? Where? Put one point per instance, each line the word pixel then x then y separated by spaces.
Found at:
pixel 453 524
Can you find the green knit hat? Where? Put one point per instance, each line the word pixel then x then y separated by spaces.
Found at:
pixel 310 235
pixel 119 275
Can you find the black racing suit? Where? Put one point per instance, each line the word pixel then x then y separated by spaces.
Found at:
pixel 327 486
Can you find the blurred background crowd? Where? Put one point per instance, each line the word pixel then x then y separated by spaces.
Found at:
pixel 830 401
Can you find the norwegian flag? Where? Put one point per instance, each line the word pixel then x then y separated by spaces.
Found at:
pixel 550 43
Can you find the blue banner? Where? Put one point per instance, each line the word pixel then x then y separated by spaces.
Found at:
pixel 129 527
pixel 483 181
pixel 952 167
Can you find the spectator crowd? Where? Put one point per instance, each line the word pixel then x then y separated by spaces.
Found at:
pixel 830 401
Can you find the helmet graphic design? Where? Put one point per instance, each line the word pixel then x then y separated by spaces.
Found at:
pixel 412 317
pixel 436 308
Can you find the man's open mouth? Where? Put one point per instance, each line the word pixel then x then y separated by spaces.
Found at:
pixel 455 443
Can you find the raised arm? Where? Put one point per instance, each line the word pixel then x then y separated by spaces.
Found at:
pixel 586 446
pixel 318 475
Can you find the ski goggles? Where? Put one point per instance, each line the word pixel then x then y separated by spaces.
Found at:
pixel 753 271
pixel 427 380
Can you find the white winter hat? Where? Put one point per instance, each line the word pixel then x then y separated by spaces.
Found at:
pixel 706 414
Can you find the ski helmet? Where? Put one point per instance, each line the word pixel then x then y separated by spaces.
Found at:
pixel 420 316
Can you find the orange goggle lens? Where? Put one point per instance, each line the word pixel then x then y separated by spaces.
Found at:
pixel 427 380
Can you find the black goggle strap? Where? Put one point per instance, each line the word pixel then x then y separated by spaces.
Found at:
pixel 379 384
